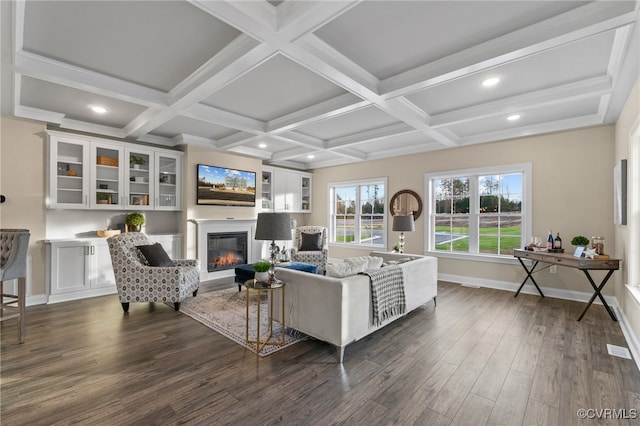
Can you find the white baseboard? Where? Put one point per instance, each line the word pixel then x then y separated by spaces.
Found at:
pixel 578 296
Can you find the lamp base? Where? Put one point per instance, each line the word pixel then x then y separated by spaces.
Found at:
pixel 401 243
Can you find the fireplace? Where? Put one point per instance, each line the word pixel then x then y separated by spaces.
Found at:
pixel 226 250
pixel 208 251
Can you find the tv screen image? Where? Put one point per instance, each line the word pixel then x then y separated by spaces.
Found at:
pixel 221 186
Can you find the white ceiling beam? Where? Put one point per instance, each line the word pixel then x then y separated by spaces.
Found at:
pixel 370 135
pixel 38 114
pixel 240 66
pixel 298 18
pixel 236 139
pixel 349 152
pixel 57 72
pixel 301 139
pixel 83 126
pixel 551 33
pixel 291 153
pixel 330 108
pixel 220 117
pixel 554 126
pixel 596 86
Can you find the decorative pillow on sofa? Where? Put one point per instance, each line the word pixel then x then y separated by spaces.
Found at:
pixel 310 242
pixel 345 269
pixel 372 262
pixel 155 255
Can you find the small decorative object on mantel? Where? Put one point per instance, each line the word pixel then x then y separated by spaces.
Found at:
pixel 134 222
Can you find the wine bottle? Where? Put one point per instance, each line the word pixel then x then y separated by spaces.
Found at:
pixel 550 241
pixel 557 243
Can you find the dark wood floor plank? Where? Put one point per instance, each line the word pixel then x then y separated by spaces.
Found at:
pixel 480 356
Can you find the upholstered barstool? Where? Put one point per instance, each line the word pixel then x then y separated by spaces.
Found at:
pixel 13 265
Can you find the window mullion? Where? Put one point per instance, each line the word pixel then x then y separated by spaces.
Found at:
pixel 474 218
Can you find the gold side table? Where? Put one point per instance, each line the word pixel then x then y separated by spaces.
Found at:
pixel 260 288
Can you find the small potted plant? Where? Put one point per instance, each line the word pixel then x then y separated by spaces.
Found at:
pixel 580 241
pixel 134 222
pixel 136 161
pixel 262 270
pixel 103 197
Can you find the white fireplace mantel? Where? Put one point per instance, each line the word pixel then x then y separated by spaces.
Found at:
pixel 209 226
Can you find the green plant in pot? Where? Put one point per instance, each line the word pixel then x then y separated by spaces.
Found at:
pixel 136 161
pixel 103 197
pixel 134 221
pixel 262 270
pixel 580 241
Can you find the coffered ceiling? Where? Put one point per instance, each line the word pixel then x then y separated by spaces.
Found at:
pixel 311 84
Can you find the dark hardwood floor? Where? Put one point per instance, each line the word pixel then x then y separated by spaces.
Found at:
pixel 480 357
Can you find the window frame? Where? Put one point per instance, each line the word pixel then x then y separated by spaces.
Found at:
pixel 474 214
pixel 331 186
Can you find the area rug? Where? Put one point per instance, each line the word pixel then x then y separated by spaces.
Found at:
pixel 224 311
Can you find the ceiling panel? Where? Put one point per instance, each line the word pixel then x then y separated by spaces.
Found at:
pixel 75 103
pixel 375 34
pixel 156 44
pixel 348 124
pixel 185 125
pixel 346 81
pixel 273 89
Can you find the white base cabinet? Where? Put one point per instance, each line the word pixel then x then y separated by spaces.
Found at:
pixel 81 268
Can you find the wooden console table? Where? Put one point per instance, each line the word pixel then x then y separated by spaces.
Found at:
pixel 564 259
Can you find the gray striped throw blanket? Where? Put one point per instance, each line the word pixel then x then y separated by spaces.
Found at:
pixel 387 293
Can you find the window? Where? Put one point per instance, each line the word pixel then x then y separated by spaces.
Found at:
pixel 358 213
pixel 480 212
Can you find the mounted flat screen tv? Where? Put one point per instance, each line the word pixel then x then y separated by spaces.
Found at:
pixel 221 186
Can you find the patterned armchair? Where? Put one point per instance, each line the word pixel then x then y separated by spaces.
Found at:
pixel 300 253
pixel 138 282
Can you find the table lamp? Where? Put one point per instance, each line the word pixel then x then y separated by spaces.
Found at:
pixel 403 223
pixel 273 226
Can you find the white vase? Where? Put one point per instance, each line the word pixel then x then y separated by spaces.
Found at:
pixel 261 276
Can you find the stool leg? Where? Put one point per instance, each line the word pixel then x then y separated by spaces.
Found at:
pixel 22 323
pixel 1 298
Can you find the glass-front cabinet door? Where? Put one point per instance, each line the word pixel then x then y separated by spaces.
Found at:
pixel 68 173
pixel 168 174
pixel 139 178
pixel 107 185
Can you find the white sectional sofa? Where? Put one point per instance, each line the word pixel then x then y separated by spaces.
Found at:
pixel 339 310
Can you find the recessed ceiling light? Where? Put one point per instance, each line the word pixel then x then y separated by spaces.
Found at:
pixel 491 82
pixel 310 156
pixel 513 117
pixel 98 109
pixel 262 145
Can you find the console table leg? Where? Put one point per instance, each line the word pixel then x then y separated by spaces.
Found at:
pixel 529 276
pixel 598 293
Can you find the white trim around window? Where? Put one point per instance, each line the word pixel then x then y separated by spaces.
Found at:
pixel 332 187
pixel 474 210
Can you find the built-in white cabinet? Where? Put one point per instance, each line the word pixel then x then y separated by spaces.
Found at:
pixel 139 178
pixel 286 190
pixel 81 268
pixel 69 171
pixel 168 181
pixel 96 173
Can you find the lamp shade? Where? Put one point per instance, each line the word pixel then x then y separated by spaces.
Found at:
pixel 403 223
pixel 273 226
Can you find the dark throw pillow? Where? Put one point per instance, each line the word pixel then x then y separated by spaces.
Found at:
pixel 155 255
pixel 310 242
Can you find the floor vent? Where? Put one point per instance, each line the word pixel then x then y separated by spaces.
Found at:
pixel 618 351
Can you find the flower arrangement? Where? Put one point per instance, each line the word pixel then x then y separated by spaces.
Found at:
pixel 136 159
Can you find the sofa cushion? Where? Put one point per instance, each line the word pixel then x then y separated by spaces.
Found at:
pixel 310 242
pixel 155 255
pixel 345 269
pixel 372 262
